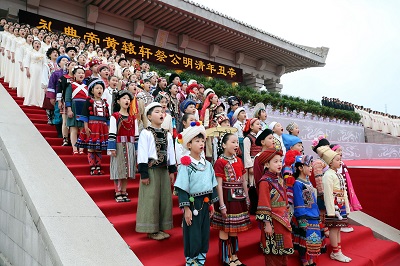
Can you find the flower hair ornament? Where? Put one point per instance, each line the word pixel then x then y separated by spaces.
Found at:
pixel 321 140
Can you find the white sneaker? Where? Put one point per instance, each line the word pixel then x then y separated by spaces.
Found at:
pixel 340 257
pixel 347 229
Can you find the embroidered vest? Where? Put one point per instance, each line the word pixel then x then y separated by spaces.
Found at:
pixel 161 142
pixel 254 149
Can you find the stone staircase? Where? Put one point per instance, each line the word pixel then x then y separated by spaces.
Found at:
pixel 373 136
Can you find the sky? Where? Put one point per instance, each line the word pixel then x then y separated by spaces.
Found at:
pixel 363 63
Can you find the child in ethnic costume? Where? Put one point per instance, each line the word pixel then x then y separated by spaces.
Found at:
pixel 231 215
pixel 75 98
pixel 172 91
pixel 278 131
pixel 220 120
pixel 265 140
pixel 336 202
pixel 163 98
pixel 96 118
pixel 261 113
pixel 351 194
pixel 319 168
pixel 273 211
pixel 250 150
pixel 196 186
pixel 240 117
pixel 206 115
pixel 121 144
pixel 144 98
pixel 156 160
pixel 293 129
pixel 306 223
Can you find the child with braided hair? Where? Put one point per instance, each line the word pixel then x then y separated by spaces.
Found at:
pixel 231 211
pixel 121 144
pixel 95 116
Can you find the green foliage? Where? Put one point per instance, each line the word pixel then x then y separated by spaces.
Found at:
pixel 250 95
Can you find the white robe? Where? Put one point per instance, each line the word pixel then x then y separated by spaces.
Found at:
pixel 7 61
pixel 16 48
pixel 38 80
pixel 22 87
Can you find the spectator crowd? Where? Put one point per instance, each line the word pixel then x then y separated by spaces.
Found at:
pixel 375 120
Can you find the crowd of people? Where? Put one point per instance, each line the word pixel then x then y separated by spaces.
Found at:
pixel 228 166
pixel 375 120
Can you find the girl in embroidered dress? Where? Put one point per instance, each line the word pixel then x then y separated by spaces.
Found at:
pixel 273 211
pixel 156 160
pixel 306 223
pixel 336 201
pixel 231 211
pixel 351 194
pixel 121 139
pixel 208 110
pixel 250 150
pixel 196 187
pixel 75 98
pixel 96 118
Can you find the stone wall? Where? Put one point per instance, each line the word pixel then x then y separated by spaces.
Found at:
pixel 20 241
pixel 43 206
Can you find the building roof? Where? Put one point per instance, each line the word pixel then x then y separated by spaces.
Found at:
pixel 211 27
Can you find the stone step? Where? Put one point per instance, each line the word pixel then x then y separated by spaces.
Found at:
pixel 373 136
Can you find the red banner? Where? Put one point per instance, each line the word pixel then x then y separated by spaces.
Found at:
pixel 134 49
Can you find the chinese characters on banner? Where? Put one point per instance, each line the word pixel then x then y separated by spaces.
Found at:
pixel 135 49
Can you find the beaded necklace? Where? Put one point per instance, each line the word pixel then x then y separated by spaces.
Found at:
pixel 231 159
pixel 126 123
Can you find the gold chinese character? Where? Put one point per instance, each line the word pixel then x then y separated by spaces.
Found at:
pixel 145 52
pixel 91 37
pixel 43 24
pixel 188 62
pixel 231 72
pixel 128 48
pixel 70 31
pixel 175 59
pixel 221 70
pixel 211 68
pixel 160 56
pixel 199 65
pixel 111 43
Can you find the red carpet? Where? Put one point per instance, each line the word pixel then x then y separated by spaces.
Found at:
pixel 360 245
pixel 376 184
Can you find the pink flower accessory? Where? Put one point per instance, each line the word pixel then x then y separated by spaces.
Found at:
pixel 185 160
pixel 315 141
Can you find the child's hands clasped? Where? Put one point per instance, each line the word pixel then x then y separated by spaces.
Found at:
pixel 188 216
